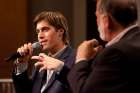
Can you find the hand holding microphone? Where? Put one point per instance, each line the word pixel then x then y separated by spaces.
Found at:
pixel 87 50
pixel 25 52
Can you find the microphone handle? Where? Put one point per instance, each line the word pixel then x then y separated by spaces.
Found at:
pixel 13 57
pixel 36 48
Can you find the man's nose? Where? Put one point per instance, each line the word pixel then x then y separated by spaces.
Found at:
pixel 40 35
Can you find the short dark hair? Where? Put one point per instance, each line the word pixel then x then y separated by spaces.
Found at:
pixel 123 11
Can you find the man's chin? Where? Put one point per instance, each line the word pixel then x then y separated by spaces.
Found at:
pixel 45 48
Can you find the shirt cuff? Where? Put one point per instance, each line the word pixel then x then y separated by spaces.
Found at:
pixel 20 67
pixel 79 60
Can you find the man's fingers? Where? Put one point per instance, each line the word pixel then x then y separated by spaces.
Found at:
pixel 38 64
pixel 42 55
pixel 98 48
pixel 35 57
pixel 42 68
pixel 94 42
pixel 39 58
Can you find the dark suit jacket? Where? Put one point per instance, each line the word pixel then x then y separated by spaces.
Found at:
pixel 58 82
pixel 116 69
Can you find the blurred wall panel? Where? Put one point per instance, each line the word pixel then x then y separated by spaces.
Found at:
pixel 13 31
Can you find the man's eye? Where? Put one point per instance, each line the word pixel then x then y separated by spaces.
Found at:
pixel 37 31
pixel 44 30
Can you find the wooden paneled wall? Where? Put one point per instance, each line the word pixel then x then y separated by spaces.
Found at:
pixel 13 31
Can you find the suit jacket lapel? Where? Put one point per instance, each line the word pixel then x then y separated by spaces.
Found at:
pixel 37 82
pixel 61 57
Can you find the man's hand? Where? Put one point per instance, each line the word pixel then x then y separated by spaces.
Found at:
pixel 26 52
pixel 45 62
pixel 87 50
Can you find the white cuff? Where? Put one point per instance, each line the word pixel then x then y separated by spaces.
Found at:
pixel 78 60
pixel 20 67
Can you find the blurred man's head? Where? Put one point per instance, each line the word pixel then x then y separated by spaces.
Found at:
pixel 113 15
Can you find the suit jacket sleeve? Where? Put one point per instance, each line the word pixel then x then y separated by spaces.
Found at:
pixel 86 78
pixel 62 76
pixel 22 83
pixel 78 75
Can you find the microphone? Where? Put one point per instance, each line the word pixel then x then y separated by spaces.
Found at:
pixel 36 48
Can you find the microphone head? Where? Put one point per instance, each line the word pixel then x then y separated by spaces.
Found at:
pixel 36 45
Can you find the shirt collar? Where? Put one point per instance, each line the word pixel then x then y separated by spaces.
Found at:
pixel 120 35
pixel 59 52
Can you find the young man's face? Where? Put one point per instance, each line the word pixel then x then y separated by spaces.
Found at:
pixel 48 35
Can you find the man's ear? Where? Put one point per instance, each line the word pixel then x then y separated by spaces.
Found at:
pixel 61 32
